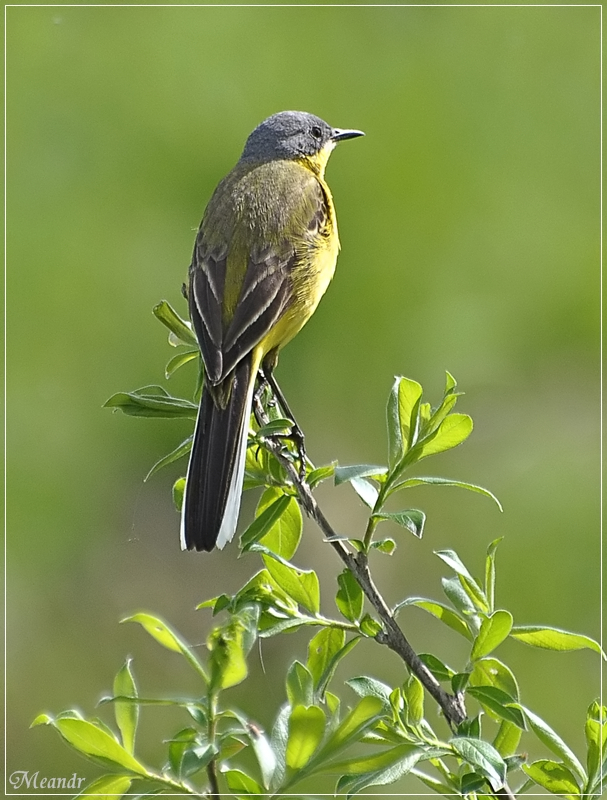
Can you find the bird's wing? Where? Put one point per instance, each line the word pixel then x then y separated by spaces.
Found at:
pixel 232 307
pixel 207 278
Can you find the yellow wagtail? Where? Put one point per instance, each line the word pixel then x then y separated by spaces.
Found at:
pixel 264 255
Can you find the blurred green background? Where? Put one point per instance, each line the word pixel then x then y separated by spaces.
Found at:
pixel 469 220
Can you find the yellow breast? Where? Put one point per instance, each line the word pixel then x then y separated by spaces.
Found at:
pixel 311 277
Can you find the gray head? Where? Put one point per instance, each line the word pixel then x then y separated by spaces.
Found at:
pixel 292 134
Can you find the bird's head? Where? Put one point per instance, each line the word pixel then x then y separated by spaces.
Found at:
pixel 295 135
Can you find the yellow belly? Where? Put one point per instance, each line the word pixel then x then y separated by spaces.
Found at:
pixel 310 281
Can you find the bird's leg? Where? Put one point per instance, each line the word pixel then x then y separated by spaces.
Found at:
pixel 262 385
pixel 296 435
pixel 263 398
pixel 258 405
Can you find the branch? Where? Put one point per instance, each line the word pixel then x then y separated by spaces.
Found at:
pixel 212 776
pixel 392 636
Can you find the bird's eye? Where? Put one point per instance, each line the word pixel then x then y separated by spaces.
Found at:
pixel 316 132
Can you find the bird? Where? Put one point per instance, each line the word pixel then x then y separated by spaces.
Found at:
pixel 264 255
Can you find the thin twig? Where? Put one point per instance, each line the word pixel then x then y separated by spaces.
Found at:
pixel 213 783
pixel 211 731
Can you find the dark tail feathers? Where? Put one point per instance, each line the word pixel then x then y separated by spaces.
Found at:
pixel 219 442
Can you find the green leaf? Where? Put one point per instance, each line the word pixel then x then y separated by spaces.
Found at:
pixel 402 417
pixel 180 702
pixel 470 727
pixel 256 466
pixel 437 667
pixel 432 418
pixel 361 765
pixel 177 747
pixel 189 753
pixel 284 535
pixel 370 626
pixel 370 687
pixel 490 572
pixel 72 713
pixel 596 741
pixel 275 427
pixel 445 614
pixel 273 474
pixel 412 519
pixel 378 770
pixel 333 703
pixel 301 585
pixel 398 704
pixel 500 702
pixel 452 431
pixel 434 785
pixel 492 672
pixel 414 693
pixel 554 639
pixel 325 651
pixel 345 474
pixel 152 401
pixel 425 414
pixel 553 777
pixel 349 598
pixel 91 740
pixel 268 628
pixel 159 630
pixel 322 649
pixel 507 738
pixel 455 592
pixel 469 585
pixel 300 685
pixel 494 629
pixel 127 714
pixel 241 783
pixel 178 326
pixel 436 481
pixel 472 783
pixel 451 559
pixel 180 360
pixel 107 786
pixel 316 476
pixel 265 520
pixel 278 743
pixel 42 719
pixel 436 416
pixel 554 743
pixel 352 728
pixel 384 545
pixel 332 666
pixel 196 758
pixel 483 758
pixel 306 729
pixel 264 753
pixel 450 382
pixel 261 588
pixel 181 450
pixel 178 493
pixel 459 681
pixel 165 636
pixel 366 491
pixel 229 646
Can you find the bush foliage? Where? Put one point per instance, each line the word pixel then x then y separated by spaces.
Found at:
pixel 381 732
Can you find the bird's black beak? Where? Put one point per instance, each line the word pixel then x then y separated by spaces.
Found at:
pixel 339 134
